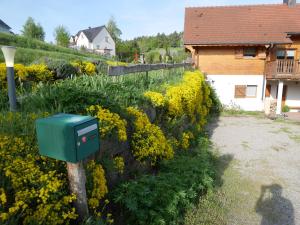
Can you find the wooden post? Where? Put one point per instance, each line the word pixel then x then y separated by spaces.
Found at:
pixel 147 79
pixel 77 181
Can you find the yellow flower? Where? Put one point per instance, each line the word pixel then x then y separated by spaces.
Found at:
pixel 119 164
pixel 2 197
pixel 99 187
pixel 109 122
pixel 148 140
pixel 157 99
pixel 89 68
pixel 185 141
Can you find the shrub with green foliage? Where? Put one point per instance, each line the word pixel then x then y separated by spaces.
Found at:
pixel 285 108
pixel 61 69
pixel 74 95
pixel 216 103
pixel 162 199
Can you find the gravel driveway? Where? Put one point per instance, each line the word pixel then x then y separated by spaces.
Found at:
pixel 266 157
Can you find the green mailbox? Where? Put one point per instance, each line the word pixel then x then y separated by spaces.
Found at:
pixel 68 137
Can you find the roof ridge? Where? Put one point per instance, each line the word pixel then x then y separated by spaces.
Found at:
pixel 89 28
pixel 233 6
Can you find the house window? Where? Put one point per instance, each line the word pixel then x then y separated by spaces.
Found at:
pixel 98 46
pixel 280 54
pixel 285 54
pixel 245 91
pixel 249 52
pixel 106 38
pixel 290 54
pixel 251 91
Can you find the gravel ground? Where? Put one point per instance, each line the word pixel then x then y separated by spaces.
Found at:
pixel 267 158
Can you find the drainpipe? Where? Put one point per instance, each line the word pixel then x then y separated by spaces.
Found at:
pixel 263 88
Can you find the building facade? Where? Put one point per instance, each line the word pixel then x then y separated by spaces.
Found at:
pixel 95 39
pixel 250 53
pixel 4 28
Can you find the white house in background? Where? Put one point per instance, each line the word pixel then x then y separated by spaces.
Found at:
pixel 4 28
pixel 96 39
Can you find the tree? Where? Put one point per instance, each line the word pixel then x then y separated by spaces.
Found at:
pixel 62 36
pixel 33 30
pixel 113 29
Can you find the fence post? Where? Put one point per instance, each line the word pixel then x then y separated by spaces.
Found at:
pixel 147 79
pixel 77 179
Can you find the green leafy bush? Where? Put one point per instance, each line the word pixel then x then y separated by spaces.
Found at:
pixel 62 69
pixel 76 94
pixel 163 199
pixel 216 103
pixel 285 108
pixel 153 57
pixel 3 100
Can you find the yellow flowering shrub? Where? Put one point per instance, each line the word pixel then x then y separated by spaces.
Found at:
pixel 190 97
pixel 185 141
pixel 85 67
pixel 38 191
pixel 109 122
pixel 3 199
pixel 89 68
pixel 20 72
pixel 2 72
pixel 119 164
pixel 148 141
pixel 39 72
pixel 98 189
pixel 157 99
pixel 186 97
pixel 116 63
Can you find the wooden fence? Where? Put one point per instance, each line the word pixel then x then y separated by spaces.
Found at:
pixel 122 70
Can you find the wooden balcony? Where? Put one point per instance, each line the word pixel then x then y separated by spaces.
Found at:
pixel 283 69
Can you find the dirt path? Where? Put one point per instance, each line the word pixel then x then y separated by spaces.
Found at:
pixel 262 185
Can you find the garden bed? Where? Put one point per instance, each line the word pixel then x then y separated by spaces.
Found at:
pixel 148 125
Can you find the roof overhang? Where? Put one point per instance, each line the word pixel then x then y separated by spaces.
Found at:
pixel 238 44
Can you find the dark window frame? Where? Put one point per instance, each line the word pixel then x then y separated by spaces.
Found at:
pixel 251 54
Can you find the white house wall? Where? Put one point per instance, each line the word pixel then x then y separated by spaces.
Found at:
pixel 100 40
pixel 292 95
pixel 225 88
pixel 82 40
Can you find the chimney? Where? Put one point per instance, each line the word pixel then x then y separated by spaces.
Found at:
pixel 290 3
pixel 89 27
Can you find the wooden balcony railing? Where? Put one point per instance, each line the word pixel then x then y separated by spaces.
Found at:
pixel 283 68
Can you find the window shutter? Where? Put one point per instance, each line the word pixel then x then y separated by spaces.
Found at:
pixel 239 53
pixel 240 91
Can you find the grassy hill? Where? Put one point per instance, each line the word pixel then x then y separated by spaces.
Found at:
pixel 29 50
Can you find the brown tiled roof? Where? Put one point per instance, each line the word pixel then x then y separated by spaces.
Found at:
pixel 251 24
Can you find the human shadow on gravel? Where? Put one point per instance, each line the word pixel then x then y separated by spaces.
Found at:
pixel 273 207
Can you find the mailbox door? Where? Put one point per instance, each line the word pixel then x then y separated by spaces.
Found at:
pixel 87 139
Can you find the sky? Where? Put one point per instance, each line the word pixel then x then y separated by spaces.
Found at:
pixel 134 17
